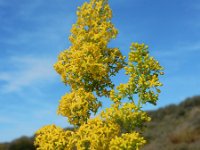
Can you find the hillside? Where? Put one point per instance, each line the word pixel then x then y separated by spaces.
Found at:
pixel 175 127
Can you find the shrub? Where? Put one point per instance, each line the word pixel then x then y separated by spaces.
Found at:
pixel 87 66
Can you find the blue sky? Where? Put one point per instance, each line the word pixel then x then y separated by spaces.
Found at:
pixel 33 33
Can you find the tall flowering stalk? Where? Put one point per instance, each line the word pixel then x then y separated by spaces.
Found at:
pixel 86 66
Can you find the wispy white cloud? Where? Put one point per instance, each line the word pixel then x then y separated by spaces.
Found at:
pixel 32 32
pixel 180 50
pixel 35 24
pixel 27 71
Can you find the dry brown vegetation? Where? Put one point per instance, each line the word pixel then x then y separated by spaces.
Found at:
pixel 175 127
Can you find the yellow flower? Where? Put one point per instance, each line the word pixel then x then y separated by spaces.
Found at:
pixel 87 67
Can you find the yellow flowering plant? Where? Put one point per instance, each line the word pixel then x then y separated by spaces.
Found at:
pixel 87 67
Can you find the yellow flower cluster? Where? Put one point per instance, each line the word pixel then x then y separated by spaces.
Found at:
pixel 86 66
pixel 128 141
pixel 127 116
pixel 89 62
pixel 78 105
pixel 143 72
pixel 51 137
pixel 96 134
